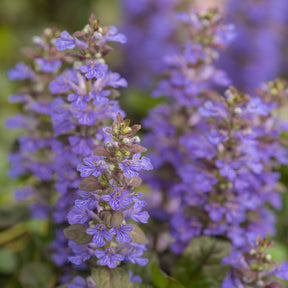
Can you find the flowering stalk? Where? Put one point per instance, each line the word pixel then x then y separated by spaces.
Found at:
pixel 108 204
pixel 190 74
pixel 253 267
pixel 85 100
pixel 33 159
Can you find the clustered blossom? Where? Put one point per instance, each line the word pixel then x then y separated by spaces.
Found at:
pixel 34 158
pixel 220 151
pixel 151 27
pixel 84 98
pixel 108 204
pixel 257 54
pixel 253 267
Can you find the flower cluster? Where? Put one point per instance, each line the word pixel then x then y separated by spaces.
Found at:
pixel 33 158
pixel 256 55
pixel 108 204
pixel 189 76
pixel 254 267
pixel 150 26
pixel 85 97
pixel 220 152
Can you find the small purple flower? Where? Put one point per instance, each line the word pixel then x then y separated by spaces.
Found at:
pixel 93 69
pixel 82 253
pixel 81 145
pixel 134 254
pixel 134 278
pixel 282 271
pixel 67 41
pixel 109 257
pixel 78 216
pixel 137 215
pixel 79 100
pixel 48 65
pixel 93 165
pixel 21 72
pixel 136 164
pixel 78 282
pixel 216 137
pixel 112 35
pixel 62 82
pixel 117 199
pixel 121 232
pixel 215 211
pixel 99 233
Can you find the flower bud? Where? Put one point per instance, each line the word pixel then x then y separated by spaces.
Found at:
pixel 268 257
pixel 135 140
pixel 127 130
pixel 118 154
pixel 111 167
pixel 125 141
pixel 253 252
pixel 237 110
pixel 126 153
pixel 111 218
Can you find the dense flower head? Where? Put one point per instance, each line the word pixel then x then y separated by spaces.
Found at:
pixel 254 267
pixel 108 204
pixel 217 151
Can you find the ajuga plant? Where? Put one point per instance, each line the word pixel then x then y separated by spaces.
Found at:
pixel 256 54
pixel 219 152
pixel 254 266
pixel 190 74
pixel 84 100
pixel 151 25
pixel 107 206
pixel 32 159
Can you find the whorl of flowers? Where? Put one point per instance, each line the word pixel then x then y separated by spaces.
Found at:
pixel 256 55
pixel 85 100
pixel 220 152
pixel 254 267
pixel 33 159
pixel 104 213
pixel 151 31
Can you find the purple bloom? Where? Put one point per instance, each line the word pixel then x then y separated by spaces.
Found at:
pixel 21 72
pixel 93 165
pixel 78 216
pixel 216 137
pixel 82 253
pixel 62 82
pixel 100 233
pixel 136 214
pixel 68 42
pixel 81 145
pixel 122 232
pixel 48 65
pixel 134 254
pixel 136 164
pixel 215 211
pixel 109 257
pixel 117 199
pixel 282 271
pixel 93 69
pixel 79 100
pixel 112 35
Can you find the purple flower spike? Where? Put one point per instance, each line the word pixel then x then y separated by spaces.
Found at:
pixel 67 41
pixel 99 233
pixel 82 253
pixel 121 232
pixel 93 69
pixel 109 257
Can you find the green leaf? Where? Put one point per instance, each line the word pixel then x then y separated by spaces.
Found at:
pixel 35 275
pixel 199 266
pixel 90 184
pixel 160 280
pixel 111 278
pixel 11 214
pixel 77 233
pixel 8 261
pixel 138 235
